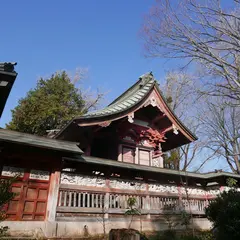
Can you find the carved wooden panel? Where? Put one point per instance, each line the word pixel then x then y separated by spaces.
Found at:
pixel 128 154
pixel 34 201
pixel 13 205
pixel 31 194
pixel 144 157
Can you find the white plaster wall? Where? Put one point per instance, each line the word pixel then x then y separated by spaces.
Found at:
pixel 34 229
pixel 202 223
pixel 93 225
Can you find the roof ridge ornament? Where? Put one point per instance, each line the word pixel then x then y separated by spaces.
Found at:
pixel 145 78
pixel 7 66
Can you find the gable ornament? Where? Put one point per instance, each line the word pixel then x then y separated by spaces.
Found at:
pixel 131 117
pixel 175 129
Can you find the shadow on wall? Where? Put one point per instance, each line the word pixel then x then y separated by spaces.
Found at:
pixel 86 227
pixel 175 217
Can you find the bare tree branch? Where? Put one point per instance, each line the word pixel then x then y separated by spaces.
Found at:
pixel 222 125
pixel 182 96
pixel 203 32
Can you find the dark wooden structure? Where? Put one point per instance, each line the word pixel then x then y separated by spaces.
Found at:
pixel 34 160
pixel 7 78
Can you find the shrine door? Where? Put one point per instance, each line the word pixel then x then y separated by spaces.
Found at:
pixel 31 191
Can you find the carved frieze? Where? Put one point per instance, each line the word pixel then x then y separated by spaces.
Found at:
pixel 92 181
pixel 192 191
pixel 162 188
pixel 8 171
pixel 188 190
pixel 175 189
pixel 76 179
pixel 220 190
pixel 213 192
pixel 39 175
pixel 128 185
pixel 224 188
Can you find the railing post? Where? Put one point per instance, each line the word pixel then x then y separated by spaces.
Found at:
pixel 106 200
pixel 147 203
pixel 147 206
pixel 180 201
pixel 106 205
pixel 53 195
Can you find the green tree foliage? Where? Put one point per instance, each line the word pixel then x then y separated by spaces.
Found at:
pixel 172 159
pixel 224 212
pixel 132 209
pixel 132 201
pixel 231 182
pixel 5 196
pixel 50 105
pixel 5 192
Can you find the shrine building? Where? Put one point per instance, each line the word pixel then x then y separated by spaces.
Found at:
pixel 79 182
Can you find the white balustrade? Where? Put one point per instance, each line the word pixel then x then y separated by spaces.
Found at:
pixel 80 199
pixel 77 199
pixel 120 201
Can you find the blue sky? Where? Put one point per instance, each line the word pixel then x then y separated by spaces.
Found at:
pixel 46 36
pixel 102 35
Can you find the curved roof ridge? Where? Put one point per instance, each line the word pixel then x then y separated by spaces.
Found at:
pixel 144 77
pixel 128 99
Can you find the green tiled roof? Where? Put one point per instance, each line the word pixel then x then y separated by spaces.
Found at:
pixel 36 141
pixel 128 99
pixel 137 167
pixel 131 98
